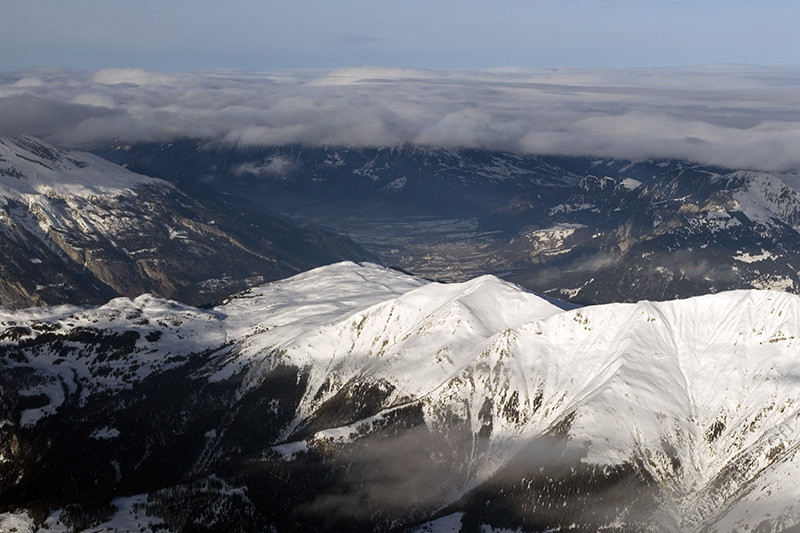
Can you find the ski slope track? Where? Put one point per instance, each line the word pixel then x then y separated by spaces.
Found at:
pixel 478 402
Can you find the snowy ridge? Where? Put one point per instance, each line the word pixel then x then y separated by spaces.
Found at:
pixel 704 381
pixel 30 167
pixel 701 382
pixel 415 341
pixel 769 197
pixel 701 393
pixel 61 190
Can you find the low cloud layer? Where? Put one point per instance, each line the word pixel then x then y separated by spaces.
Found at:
pixel 733 116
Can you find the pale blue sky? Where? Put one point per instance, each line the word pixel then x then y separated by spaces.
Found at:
pixel 263 35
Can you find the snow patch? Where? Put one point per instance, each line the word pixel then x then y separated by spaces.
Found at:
pixel 747 257
pixel 20 522
pixel 105 433
pixel 630 183
pixel 569 208
pixel 550 241
pixel 773 282
pixel 290 450
pixel 397 184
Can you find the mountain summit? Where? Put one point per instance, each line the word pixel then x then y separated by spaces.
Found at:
pixel 356 397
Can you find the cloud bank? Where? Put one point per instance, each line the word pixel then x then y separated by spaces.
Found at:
pixel 732 116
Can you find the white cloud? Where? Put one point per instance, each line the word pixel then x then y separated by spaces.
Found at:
pixel 135 76
pixel 736 116
pixel 277 166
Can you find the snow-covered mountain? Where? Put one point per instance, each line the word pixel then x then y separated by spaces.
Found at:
pixel 586 230
pixel 75 228
pixel 356 397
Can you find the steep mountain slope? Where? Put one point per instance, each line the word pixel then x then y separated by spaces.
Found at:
pixel 586 230
pixel 75 228
pixel 689 231
pixel 357 397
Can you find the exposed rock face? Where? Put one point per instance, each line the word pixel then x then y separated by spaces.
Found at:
pixel 75 228
pixel 355 397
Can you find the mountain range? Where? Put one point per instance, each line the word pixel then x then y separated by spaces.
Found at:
pixel 178 372
pixel 214 220
pixel 361 398
pixel 582 229
pixel 75 228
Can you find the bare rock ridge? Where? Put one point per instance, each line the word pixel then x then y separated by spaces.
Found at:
pixel 356 397
pixel 75 228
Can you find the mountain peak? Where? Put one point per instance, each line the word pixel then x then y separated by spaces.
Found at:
pixel 486 394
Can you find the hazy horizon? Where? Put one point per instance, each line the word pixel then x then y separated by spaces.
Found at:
pixel 593 78
pixel 727 115
pixel 273 34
